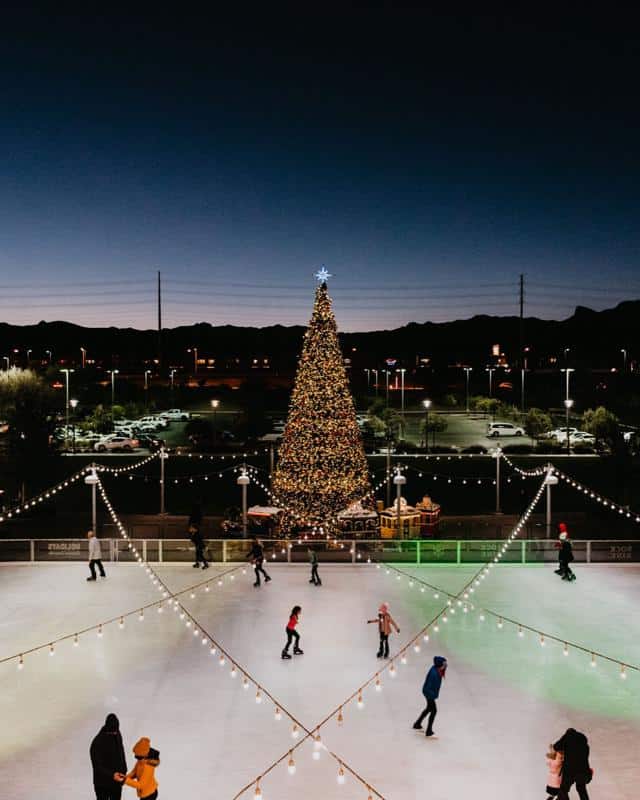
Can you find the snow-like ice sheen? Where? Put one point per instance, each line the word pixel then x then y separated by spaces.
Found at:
pixel 504 698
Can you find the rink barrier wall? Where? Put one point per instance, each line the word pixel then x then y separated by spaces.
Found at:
pixel 354 551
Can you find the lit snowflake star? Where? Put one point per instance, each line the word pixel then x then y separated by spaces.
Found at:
pixel 322 275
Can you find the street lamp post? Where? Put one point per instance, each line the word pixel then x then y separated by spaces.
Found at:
pixel 399 480
pixel 490 370
pixel 624 359
pixel 29 351
pixel 567 404
pixel 497 454
pixel 402 370
pixel 375 372
pixel 92 481
pixel 172 372
pixel 163 457
pixel 74 404
pixel 66 372
pixel 194 350
pixel 243 481
pixel 83 353
pixel 113 372
pixel 50 356
pixel 567 371
pixel 427 406
pixel 549 481
pixel 386 375
pixel 522 401
pixel 214 406
pixel 368 379
pixel 467 371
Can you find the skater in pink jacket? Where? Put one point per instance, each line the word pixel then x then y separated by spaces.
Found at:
pixel 385 623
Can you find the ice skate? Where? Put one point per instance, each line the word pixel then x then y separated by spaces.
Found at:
pixel 298 652
pixel 285 655
pixel 417 726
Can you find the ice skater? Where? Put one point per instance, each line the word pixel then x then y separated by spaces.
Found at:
pixel 565 554
pixel 385 623
pixel 574 746
pixel 95 556
pixel 554 764
pixel 313 560
pixel 431 690
pixel 142 777
pixel 256 554
pixel 198 542
pixel 108 760
pixel 292 634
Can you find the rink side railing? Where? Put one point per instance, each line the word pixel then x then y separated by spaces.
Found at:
pixel 349 551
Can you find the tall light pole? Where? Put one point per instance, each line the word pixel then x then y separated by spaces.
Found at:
pixel 243 481
pixel 402 370
pixel 375 372
pixel 549 481
pixel 50 356
pixel 490 370
pixel 567 404
pixel 497 454
pixel 399 480
pixel 624 359
pixel 194 350
pixel 368 379
pixel 66 372
pixel 214 406
pixel 172 372
pixel 522 403
pixel 467 371
pixel 29 356
pixel 83 354
pixel 386 375
pixel 427 406
pixel 74 404
pixel 113 372
pixel 568 372
pixel 92 481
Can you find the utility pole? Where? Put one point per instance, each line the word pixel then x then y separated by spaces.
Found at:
pixel 159 321
pixel 521 348
pixel 163 457
pixel 497 454
pixel 243 481
pixel 549 481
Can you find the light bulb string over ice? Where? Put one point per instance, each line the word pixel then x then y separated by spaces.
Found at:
pixel 207 638
pixel 592 494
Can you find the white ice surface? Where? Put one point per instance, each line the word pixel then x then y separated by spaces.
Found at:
pixel 504 698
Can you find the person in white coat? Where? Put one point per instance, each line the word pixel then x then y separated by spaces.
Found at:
pixel 95 556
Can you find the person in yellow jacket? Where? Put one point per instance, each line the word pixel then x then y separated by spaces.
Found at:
pixel 142 776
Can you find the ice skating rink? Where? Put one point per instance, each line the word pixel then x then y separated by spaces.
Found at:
pixel 504 699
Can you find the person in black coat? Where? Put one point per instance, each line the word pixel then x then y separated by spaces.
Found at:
pixel 108 760
pixel 198 542
pixel 565 554
pixel 256 554
pixel 575 767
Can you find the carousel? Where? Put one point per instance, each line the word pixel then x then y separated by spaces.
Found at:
pixel 358 520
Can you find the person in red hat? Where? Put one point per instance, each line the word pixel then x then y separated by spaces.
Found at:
pixel 565 554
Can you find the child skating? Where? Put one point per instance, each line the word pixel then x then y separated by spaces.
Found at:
pixel 292 634
pixel 554 778
pixel 313 560
pixel 385 623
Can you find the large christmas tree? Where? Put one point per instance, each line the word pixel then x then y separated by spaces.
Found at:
pixel 322 466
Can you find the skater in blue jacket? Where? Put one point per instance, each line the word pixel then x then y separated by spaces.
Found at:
pixel 431 690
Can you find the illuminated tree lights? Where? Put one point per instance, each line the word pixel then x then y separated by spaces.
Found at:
pixel 322 466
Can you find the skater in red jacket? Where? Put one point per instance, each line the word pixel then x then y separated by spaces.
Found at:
pixel 292 633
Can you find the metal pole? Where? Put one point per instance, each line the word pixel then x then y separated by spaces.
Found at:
pixel 94 514
pixel 498 457
pixel 388 473
pixel 522 391
pixel 548 518
pixel 386 374
pixel 271 462
pixel 567 427
pixel 163 455
pixel 398 496
pixel 426 430
pixel 375 372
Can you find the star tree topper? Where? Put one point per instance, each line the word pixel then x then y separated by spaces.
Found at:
pixel 323 275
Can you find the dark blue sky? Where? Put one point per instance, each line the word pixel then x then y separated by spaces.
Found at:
pixel 426 160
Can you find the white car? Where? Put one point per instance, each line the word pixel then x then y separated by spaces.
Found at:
pixel 581 437
pixel 174 414
pixel 145 427
pixel 362 419
pixel 560 435
pixel 497 429
pixel 158 422
pixel 116 442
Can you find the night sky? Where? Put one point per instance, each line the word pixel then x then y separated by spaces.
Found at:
pixel 426 160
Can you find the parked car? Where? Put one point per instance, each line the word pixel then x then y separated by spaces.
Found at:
pixel 560 433
pixel 151 442
pixel 174 414
pixel 362 419
pixel 582 437
pixel 145 427
pixel 497 429
pixel 116 442
pixel 152 419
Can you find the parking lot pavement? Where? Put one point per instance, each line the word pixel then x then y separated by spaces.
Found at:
pixel 462 431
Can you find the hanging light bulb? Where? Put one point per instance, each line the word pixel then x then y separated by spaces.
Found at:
pixel 221 660
pixel 258 792
pixel 403 659
pixel 291 766
pixel 52 650
pixel 141 615
pixel 593 660
pixel 295 731
pixel 623 672
pixel 258 697
pixel 317 747
pixel 360 702
pixel 341 775
pixel 121 623
pixel 392 670
pixel 278 714
pixel 378 685
pixel 213 650
pixel 500 623
pixel 21 662
pixel 520 631
pixel 245 683
pixel 416 648
pixel 234 671
pixel 542 641
pixel 565 650
pixel 340 719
